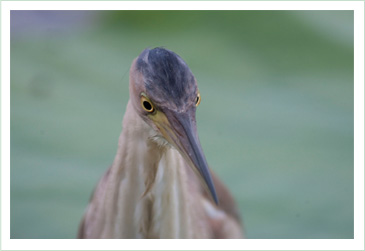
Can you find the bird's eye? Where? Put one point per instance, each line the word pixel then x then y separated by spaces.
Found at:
pixel 147 105
pixel 198 99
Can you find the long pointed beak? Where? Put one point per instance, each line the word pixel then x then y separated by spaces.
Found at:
pixel 179 129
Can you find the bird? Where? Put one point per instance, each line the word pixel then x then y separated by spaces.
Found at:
pixel 159 185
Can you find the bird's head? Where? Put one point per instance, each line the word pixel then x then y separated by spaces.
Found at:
pixel 165 94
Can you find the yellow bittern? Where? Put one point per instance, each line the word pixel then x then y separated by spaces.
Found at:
pixel 159 185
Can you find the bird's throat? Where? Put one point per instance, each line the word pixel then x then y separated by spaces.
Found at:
pixel 157 175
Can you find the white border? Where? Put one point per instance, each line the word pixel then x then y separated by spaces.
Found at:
pixel 359 123
pixel 182 5
pixel 251 244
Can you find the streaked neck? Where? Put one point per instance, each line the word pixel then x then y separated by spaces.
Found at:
pixel 153 185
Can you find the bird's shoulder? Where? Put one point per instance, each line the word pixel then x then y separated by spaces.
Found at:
pixel 96 195
pixel 224 218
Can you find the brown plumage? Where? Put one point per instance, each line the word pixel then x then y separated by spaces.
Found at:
pixel 159 185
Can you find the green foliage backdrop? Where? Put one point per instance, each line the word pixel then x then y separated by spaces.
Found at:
pixel 275 122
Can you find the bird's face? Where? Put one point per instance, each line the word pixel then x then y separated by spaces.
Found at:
pixel 164 93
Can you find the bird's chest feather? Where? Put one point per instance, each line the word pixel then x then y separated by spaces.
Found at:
pixel 163 212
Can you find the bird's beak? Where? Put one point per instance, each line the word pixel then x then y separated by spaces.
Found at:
pixel 179 129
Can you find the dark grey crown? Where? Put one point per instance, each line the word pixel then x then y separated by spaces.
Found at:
pixel 167 77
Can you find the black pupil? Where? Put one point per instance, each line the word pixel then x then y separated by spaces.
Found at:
pixel 197 100
pixel 147 105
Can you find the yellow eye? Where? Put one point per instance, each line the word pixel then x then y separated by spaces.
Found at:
pixel 198 99
pixel 147 105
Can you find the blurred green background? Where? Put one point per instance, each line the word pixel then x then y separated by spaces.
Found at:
pixel 275 122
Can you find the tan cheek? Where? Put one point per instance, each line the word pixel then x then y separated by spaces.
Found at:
pixel 159 120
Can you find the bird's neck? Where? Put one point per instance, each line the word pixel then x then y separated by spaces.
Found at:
pixel 153 184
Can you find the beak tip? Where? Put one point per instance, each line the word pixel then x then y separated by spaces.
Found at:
pixel 215 199
pixel 211 188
